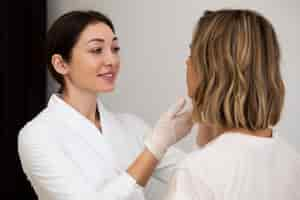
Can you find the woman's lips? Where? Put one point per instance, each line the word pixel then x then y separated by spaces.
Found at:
pixel 110 76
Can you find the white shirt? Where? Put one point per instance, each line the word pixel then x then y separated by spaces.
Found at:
pixel 239 167
pixel 65 157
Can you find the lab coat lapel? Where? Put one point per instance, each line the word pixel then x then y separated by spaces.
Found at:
pixel 114 133
pixel 85 129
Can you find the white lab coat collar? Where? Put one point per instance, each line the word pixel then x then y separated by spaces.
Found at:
pixel 116 135
pixel 88 131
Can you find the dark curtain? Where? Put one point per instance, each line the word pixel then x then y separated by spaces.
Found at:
pixel 23 80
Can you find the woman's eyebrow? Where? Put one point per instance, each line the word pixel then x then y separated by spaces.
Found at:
pixel 96 40
pixel 101 39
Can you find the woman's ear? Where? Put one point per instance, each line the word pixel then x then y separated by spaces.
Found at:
pixel 59 64
pixel 188 61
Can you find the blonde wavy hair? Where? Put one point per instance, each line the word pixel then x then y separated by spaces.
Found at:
pixel 236 55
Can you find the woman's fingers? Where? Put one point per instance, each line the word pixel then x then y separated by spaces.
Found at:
pixel 177 107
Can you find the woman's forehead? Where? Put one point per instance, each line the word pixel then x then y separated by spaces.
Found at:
pixel 97 32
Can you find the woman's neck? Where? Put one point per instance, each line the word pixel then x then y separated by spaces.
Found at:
pixel 207 133
pixel 83 102
pixel 259 133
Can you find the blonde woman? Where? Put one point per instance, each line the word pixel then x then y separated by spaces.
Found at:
pixel 233 77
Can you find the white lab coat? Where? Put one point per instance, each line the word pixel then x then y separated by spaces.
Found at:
pixel 238 167
pixel 65 157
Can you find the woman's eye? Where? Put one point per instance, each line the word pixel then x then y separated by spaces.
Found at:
pixel 97 50
pixel 116 49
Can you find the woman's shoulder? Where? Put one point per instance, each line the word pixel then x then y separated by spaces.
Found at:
pixel 286 150
pixel 211 152
pixel 37 129
pixel 200 157
pixel 197 165
pixel 210 164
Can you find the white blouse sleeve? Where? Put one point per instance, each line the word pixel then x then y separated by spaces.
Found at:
pixel 183 187
pixel 54 176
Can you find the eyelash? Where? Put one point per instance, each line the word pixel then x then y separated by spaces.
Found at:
pixel 99 50
pixel 116 49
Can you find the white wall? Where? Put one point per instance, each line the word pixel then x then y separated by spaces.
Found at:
pixel 154 37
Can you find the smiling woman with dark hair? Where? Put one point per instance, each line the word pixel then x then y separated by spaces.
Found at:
pixel 234 80
pixel 75 149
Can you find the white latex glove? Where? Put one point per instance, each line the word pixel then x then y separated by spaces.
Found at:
pixel 172 126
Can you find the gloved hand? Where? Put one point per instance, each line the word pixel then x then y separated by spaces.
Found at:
pixel 172 126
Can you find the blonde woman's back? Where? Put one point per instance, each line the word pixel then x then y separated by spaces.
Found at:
pixel 236 87
pixel 239 167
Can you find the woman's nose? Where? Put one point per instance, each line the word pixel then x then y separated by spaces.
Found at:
pixel 109 58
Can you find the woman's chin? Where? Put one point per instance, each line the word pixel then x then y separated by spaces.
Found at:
pixel 106 89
